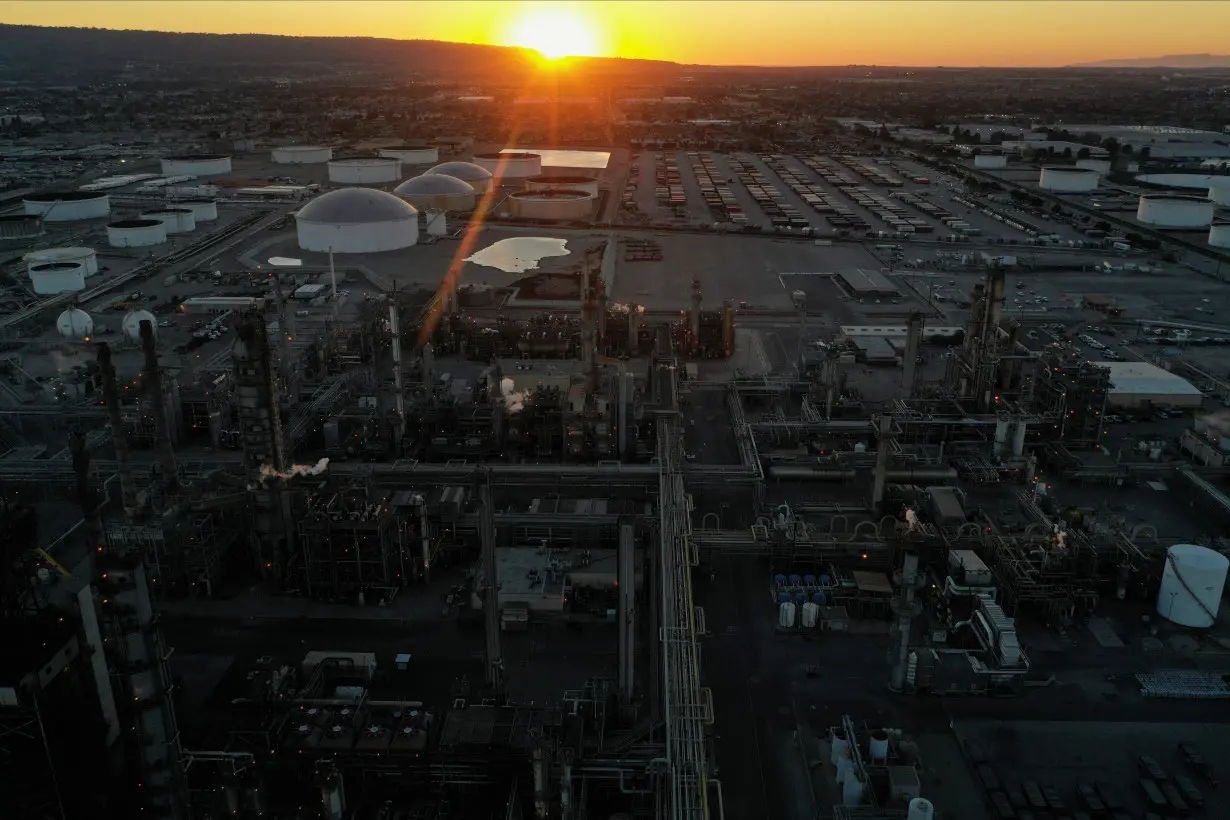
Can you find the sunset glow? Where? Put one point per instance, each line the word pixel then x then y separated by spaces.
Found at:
pixel 556 33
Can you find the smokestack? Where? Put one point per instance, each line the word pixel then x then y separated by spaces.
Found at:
pixel 881 469
pixel 913 340
pixel 119 436
pixel 995 310
pixel 153 376
pixel 399 397
pixel 694 316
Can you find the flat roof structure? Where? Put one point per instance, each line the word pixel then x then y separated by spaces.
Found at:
pixel 875 349
pixel 1135 383
pixel 862 282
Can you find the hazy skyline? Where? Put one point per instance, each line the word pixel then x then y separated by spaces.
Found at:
pixel 731 32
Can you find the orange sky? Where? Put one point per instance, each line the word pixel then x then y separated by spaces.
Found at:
pixel 747 32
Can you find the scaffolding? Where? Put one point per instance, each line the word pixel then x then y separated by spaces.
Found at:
pixel 349 546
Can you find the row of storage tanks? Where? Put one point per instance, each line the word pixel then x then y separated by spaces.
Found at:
pixel 846 774
pixel 150 228
pixel 75 325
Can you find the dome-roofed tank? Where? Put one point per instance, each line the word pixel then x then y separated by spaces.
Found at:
pixel 437 192
pixel 357 220
pixel 75 324
pixel 478 177
pixel 131 326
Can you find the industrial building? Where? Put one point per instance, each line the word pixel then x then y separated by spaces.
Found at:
pixel 356 220
pixel 1133 384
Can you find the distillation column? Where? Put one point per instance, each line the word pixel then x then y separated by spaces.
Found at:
pixel 881 468
pixel 119 436
pixel 906 608
pixel 158 402
pixel 491 594
pixel 913 341
pixel 694 317
pixel 399 394
pixel 627 611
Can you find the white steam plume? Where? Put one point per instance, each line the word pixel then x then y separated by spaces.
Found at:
pixel 295 470
pixel 514 400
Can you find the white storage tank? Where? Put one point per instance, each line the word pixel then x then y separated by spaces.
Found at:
pixel 560 205
pixel 131 325
pixel 1220 194
pixel 786 614
pixel 920 808
pixel 50 278
pixel 364 170
pixel 136 233
pixel 852 791
pixel 302 154
pixel 1219 235
pixel 20 226
pixel 437 192
pixel 811 614
pixel 838 745
pixel 1068 180
pixel 512 165
pixel 552 182
pixel 68 206
pixel 196 165
pixel 357 220
pixel 75 324
pixel 1102 166
pixel 990 161
pixel 1192 583
pixel 86 256
pixel 1175 211
pixel 176 220
pixel 412 154
pixel 203 210
pixel 479 178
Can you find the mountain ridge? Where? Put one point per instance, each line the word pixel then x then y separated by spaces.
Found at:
pixel 1165 61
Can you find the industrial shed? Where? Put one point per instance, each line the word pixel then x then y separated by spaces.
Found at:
pixel 875 350
pixel 859 282
pixel 1133 384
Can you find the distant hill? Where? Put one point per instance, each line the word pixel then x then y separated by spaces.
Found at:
pixel 68 51
pixel 1167 61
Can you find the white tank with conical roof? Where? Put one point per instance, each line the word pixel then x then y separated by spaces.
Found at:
pixel 131 326
pixel 75 324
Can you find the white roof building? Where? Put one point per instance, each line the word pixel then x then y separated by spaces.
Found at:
pixel 1137 383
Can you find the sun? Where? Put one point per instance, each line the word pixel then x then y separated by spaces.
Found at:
pixel 556 33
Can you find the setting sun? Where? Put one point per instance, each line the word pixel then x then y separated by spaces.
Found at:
pixel 556 33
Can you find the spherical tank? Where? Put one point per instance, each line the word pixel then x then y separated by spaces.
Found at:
pixel 554 182
pixel 1192 583
pixel 412 154
pixel 479 178
pixel 1102 166
pixel 512 165
pixel 176 220
pixel 364 170
pixel 1176 212
pixel 357 220
pixel 1220 194
pixel 990 161
pixel 136 233
pixel 131 325
pixel 68 206
pixel 437 192
pixel 196 165
pixel 51 278
pixel 1219 235
pixel 75 324
pixel 558 205
pixel 85 256
pixel 302 154
pixel 20 226
pixel 203 210
pixel 1065 180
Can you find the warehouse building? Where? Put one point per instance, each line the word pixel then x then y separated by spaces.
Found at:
pixel 1139 384
pixel 859 282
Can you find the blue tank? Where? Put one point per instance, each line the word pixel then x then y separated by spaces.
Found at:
pixel 796 579
pixel 779 579
pixel 809 580
pixel 818 598
pixel 800 598
pixel 783 597
pixel 826 581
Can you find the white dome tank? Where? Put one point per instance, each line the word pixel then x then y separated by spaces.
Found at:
pixel 1220 194
pixel 131 326
pixel 357 220
pixel 1219 235
pixel 136 233
pixel 75 324
pixel 990 161
pixel 1174 211
pixel 412 154
pixel 437 192
pixel 1068 180
pixel 302 154
pixel 86 256
pixel 511 164
pixel 920 808
pixel 1192 583
pixel 364 170
pixel 478 177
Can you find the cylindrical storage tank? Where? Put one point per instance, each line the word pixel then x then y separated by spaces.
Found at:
pixel 990 161
pixel 844 765
pixel 364 170
pixel 552 182
pixel 852 791
pixel 1219 235
pixel 1102 166
pixel 786 614
pixel 136 233
pixel 357 220
pixel 75 324
pixel 479 178
pixel 412 154
pixel 86 256
pixel 556 206
pixel 131 324
pixel 510 165
pixel 1068 180
pixel 1192 583
pixel 1175 211
pixel 68 206
pixel 176 220
pixel 196 165
pixel 50 278
pixel 1220 194
pixel 877 746
pixel 203 210
pixel 838 744
pixel 920 808
pixel 811 614
pixel 437 192
pixel 302 154
pixel 20 226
